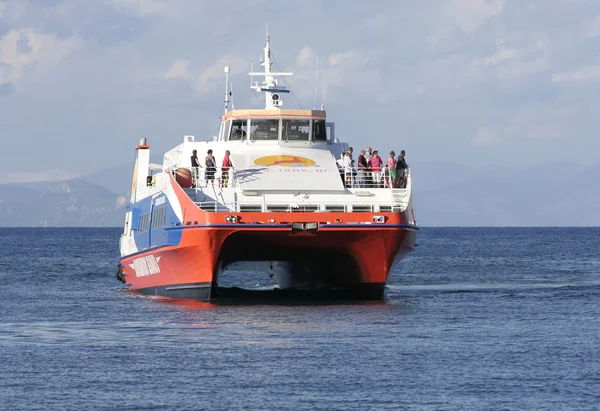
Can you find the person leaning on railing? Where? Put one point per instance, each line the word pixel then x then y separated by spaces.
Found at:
pixel 363 168
pixel 347 166
pixel 195 166
pixel 391 167
pixel 227 164
pixel 401 168
pixel 376 165
pixel 211 167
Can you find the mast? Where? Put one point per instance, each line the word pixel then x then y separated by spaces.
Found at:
pixel 269 85
pixel 226 70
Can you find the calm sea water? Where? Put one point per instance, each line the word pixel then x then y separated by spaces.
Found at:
pixel 486 318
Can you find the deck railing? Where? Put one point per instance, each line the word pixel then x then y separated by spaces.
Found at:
pixel 227 177
pixel 217 206
pixel 386 178
pixel 221 176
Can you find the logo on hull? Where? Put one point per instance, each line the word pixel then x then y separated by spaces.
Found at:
pixel 145 266
pixel 284 161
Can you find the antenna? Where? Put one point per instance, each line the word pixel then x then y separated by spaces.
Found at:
pixel 269 85
pixel 226 70
pixel 231 94
pixel 323 101
pixel 316 83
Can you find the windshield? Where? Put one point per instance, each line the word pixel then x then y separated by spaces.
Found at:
pixel 264 129
pixel 238 130
pixel 295 130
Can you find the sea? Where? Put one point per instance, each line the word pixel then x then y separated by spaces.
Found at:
pixel 474 319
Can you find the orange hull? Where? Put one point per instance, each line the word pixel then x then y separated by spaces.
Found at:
pixel 338 255
pixel 342 250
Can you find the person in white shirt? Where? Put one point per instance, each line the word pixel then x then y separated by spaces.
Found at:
pixel 368 153
pixel 347 166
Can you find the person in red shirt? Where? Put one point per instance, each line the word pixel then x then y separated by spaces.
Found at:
pixel 227 164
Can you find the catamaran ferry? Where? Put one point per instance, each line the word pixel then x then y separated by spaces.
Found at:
pixel 270 188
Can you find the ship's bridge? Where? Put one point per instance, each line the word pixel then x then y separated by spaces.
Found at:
pixel 266 127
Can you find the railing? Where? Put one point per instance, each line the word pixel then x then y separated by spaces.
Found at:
pixel 386 178
pixel 216 206
pixel 221 176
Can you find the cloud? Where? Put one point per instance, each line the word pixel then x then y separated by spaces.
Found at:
pixel 179 69
pixel 2 8
pixel 213 77
pixel 339 74
pixel 21 49
pixel 144 8
pixel 471 14
pixel 503 54
pixel 591 28
pixel 7 88
pixel 515 63
pixel 581 75
pixel 7 177
pixel 487 136
pixel 306 57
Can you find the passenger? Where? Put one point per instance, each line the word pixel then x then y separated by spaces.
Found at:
pixel 363 170
pixel 210 163
pixel 353 174
pixel 391 166
pixel 401 169
pixel 368 153
pixel 376 165
pixel 227 164
pixel 347 166
pixel 195 167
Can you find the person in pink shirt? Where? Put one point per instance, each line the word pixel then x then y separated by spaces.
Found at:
pixel 391 166
pixel 376 166
pixel 227 164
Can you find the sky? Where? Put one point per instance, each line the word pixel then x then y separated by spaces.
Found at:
pixel 478 82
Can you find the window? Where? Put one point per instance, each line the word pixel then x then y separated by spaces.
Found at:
pixel 264 129
pixel 238 130
pixel 159 217
pixel 295 130
pixel 144 223
pixel 319 130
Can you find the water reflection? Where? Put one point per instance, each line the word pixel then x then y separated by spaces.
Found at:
pixel 234 296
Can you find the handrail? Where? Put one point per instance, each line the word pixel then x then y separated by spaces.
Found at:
pixel 223 176
pixel 227 177
pixel 386 178
pixel 321 207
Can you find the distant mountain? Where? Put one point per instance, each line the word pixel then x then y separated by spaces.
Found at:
pixel 116 179
pixel 544 195
pixel 71 203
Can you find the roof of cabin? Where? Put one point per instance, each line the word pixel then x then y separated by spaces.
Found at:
pixel 273 113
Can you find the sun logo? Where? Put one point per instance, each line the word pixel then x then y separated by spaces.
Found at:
pixel 284 161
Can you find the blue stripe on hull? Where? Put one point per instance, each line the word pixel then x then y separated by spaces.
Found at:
pixel 154 237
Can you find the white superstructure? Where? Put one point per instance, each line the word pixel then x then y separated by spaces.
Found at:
pixel 283 160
